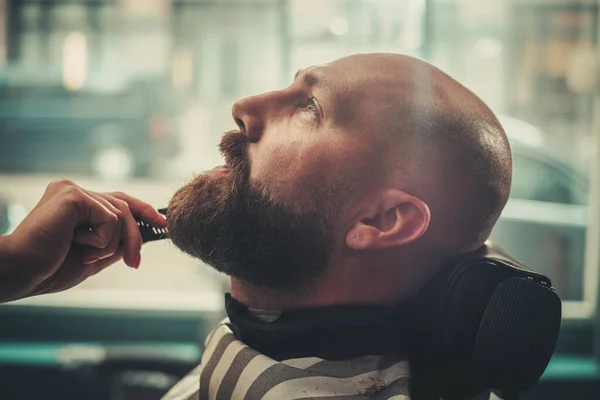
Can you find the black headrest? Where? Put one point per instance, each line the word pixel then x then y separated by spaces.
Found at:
pixel 484 322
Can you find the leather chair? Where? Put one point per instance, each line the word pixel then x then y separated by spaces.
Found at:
pixel 484 322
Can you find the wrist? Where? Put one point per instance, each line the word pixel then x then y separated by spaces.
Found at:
pixel 7 253
pixel 14 282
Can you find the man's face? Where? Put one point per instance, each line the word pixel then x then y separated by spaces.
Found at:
pixel 274 213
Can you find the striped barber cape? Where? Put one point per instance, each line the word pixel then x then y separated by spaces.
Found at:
pixel 231 370
pixel 330 353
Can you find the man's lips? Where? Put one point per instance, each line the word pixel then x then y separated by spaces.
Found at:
pixel 219 170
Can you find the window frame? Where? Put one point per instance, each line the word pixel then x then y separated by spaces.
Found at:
pixel 579 216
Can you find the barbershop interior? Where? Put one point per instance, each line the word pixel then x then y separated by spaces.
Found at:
pixel 135 95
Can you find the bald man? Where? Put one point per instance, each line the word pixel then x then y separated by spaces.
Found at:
pixel 341 196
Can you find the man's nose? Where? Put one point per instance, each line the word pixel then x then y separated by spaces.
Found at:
pixel 251 113
pixel 248 117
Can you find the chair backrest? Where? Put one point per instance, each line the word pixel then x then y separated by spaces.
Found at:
pixel 484 322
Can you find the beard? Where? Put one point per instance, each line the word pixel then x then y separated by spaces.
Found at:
pixel 236 227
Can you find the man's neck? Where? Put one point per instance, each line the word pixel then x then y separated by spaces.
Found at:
pixel 267 298
pixel 373 286
pixel 352 279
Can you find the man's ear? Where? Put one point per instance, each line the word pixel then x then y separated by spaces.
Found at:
pixel 396 218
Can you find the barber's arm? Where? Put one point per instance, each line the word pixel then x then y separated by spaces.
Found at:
pixel 70 235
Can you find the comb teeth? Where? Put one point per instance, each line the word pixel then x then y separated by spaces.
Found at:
pixel 150 233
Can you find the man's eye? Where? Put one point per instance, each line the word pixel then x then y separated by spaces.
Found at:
pixel 312 106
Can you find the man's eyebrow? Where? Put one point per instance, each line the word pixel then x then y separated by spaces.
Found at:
pixel 309 78
pixel 301 70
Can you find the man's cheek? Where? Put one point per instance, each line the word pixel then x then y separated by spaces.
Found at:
pixel 275 163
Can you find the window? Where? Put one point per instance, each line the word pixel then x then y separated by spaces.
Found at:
pixel 118 95
pixel 544 223
pixel 547 180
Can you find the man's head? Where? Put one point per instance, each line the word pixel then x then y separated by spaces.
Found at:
pixel 371 159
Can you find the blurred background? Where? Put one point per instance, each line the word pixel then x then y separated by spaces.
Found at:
pixel 134 95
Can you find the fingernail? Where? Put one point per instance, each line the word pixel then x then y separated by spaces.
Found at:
pixel 136 262
pixel 90 260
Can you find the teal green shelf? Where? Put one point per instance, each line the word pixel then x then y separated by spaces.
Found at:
pixel 564 367
pixel 31 354
pixel 51 354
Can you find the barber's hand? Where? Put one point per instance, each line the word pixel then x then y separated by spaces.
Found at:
pixel 69 236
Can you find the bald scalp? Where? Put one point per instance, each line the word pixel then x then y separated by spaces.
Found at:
pixel 443 144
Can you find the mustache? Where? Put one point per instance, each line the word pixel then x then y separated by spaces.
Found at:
pixel 234 147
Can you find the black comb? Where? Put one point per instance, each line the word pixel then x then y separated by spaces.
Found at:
pixel 150 233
